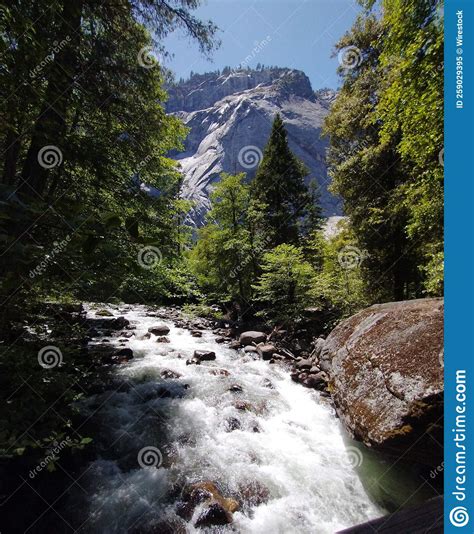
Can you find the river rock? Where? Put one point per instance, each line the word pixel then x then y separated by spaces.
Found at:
pixel 119 357
pixel 318 347
pixel 213 514
pixel 267 383
pixel 169 374
pixel 217 509
pixel 235 388
pixel 204 355
pixel 316 381
pixel 266 351
pixel 250 348
pixel 104 313
pixel 196 333
pixel 162 339
pixel 242 405
pixel 159 330
pixel 234 345
pixel 232 423
pixel 247 338
pixel 386 377
pixel 117 323
pixel 219 372
pixel 303 365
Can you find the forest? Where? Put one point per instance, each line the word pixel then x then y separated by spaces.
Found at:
pixel 85 136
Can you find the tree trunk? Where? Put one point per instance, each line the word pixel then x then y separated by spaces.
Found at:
pixel 50 126
pixel 12 149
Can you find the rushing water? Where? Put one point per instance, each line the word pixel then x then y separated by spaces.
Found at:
pixel 289 442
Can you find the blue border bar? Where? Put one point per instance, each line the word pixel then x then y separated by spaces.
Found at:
pixel 459 248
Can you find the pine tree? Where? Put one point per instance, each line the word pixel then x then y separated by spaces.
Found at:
pixel 279 184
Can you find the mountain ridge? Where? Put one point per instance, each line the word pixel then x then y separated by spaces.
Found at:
pixel 230 116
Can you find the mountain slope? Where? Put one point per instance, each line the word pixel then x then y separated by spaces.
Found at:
pixel 230 117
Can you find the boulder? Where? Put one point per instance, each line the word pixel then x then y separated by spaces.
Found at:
pixel 204 355
pixel 159 330
pixel 217 509
pixel 250 348
pixel 231 424
pixel 386 377
pixel 243 405
pixel 119 357
pixel 169 374
pixel 196 333
pixel 266 351
pixel 219 372
pixel 234 345
pixel 316 381
pixel 117 323
pixel 126 353
pixel 235 388
pixel 318 347
pixel 304 365
pixel 104 313
pixel 162 339
pixel 247 338
pixel 213 514
pixel 267 383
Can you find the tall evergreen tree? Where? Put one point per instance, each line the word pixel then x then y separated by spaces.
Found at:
pixel 279 184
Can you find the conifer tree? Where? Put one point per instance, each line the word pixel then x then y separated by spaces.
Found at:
pixel 279 184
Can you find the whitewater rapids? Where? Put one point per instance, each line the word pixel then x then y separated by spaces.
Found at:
pixel 289 442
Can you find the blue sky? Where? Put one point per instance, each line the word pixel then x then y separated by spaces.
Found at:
pixel 288 33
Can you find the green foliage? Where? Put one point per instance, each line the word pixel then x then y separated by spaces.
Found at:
pixel 283 288
pixel 339 284
pixel 82 83
pixel 386 130
pixel 222 256
pixel 201 310
pixel 279 186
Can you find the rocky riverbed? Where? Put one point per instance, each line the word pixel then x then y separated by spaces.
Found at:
pixel 197 430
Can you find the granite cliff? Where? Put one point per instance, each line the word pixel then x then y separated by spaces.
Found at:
pixel 230 116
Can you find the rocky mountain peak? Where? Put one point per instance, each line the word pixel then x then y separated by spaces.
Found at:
pixel 201 91
pixel 230 114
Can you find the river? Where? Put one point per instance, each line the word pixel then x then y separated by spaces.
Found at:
pixel 282 456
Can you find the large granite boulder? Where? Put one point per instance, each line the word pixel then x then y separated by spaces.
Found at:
pixel 252 336
pixel 386 376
